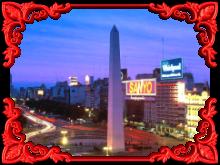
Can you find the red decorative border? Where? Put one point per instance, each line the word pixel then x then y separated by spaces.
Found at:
pixel 17 15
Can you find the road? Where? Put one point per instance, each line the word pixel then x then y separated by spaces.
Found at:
pixel 138 142
pixel 49 127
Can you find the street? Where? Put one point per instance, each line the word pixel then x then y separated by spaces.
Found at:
pixel 89 140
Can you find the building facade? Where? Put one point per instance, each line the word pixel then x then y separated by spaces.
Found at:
pixel 60 92
pixel 78 94
pixel 194 102
pixel 169 103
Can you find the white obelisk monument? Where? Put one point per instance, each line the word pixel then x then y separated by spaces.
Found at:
pixel 115 132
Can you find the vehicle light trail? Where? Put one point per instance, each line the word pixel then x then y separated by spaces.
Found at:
pixel 49 127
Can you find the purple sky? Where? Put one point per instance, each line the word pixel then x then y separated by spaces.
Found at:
pixel 78 44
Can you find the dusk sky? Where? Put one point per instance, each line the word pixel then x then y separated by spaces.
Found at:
pixel 78 44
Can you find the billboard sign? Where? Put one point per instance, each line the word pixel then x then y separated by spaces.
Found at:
pixel 143 87
pixel 171 69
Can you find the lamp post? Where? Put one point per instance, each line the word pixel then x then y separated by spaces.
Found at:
pixel 64 140
pixel 106 148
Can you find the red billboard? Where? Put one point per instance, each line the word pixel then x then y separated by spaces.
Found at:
pixel 143 87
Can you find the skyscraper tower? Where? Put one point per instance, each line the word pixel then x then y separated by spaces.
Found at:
pixel 115 133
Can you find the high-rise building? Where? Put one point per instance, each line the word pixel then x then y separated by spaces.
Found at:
pixel 89 80
pixel 194 102
pixel 156 74
pixel 14 93
pixel 200 87
pixel 169 103
pixel 124 74
pixel 104 94
pixel 78 94
pixel 22 93
pixel 89 101
pixel 60 92
pixel 144 76
pixel 115 131
pixel 189 80
pixel 73 81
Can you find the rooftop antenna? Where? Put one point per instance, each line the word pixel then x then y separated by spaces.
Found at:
pixel 125 61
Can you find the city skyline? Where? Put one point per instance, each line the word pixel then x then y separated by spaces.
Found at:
pixel 84 33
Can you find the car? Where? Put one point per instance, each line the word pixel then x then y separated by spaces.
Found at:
pixel 80 121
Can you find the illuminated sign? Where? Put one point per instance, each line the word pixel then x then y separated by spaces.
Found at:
pixel 171 69
pixel 143 87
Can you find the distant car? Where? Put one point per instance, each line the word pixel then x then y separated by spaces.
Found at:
pixel 80 121
pixel 32 111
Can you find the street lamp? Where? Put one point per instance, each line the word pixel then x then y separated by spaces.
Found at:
pixel 86 109
pixel 107 149
pixel 64 132
pixel 64 140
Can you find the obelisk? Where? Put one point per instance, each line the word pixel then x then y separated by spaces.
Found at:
pixel 115 132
